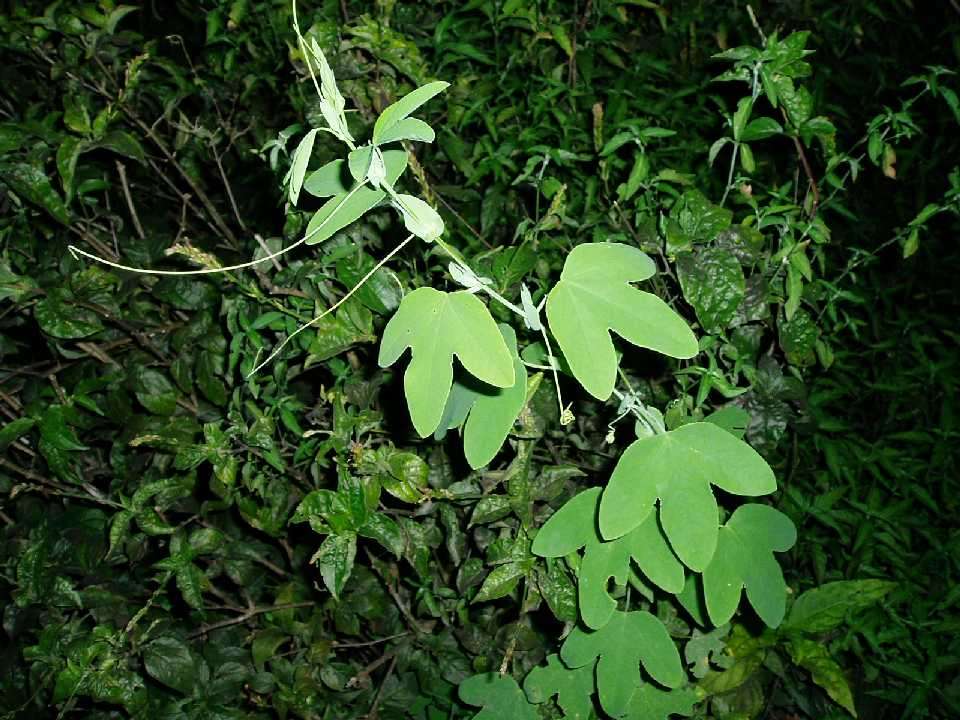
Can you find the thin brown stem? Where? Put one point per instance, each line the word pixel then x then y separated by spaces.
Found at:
pixel 122 171
pixel 246 617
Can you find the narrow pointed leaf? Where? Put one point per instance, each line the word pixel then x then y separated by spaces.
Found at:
pixel 301 158
pixel 404 106
pixel 594 297
pixel 408 129
pixel 436 326
pixel 345 208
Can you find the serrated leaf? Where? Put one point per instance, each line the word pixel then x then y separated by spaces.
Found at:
pixel 573 688
pixel 407 476
pixel 170 661
pixel 436 326
pixel 498 695
pixel 826 607
pixel 744 560
pixel 622 645
pixel 825 671
pixel 760 129
pixel 678 467
pixel 399 110
pixel 335 559
pixel 594 297
pixel 713 283
pixel 501 581
pixel 385 531
pixel 494 411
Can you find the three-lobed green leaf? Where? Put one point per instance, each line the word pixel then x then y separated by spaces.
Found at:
pixel 594 297
pixel 436 325
pixel 744 560
pixel 678 467
pixel 573 687
pixel 575 524
pixel 628 640
pixel 498 695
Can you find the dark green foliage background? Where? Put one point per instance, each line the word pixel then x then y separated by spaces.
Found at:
pixel 152 566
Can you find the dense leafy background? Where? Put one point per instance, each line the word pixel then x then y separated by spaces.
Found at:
pixel 156 559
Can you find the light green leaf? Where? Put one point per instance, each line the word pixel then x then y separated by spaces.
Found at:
pixel 594 297
pixel 702 648
pixel 573 688
pixel 393 114
pixel 326 181
pixel 827 607
pixel 678 467
pixel 569 528
pixel 732 418
pixel 344 208
pixel 824 670
pixel 646 545
pixel 335 560
pixel 436 326
pixel 744 559
pixel 652 703
pixel 498 695
pixel 298 168
pixel 625 642
pixel 494 411
pixel 408 129
pixel 418 217
pixel 741 116
pixel 713 283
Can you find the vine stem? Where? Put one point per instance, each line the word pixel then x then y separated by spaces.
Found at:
pixel 329 310
pixel 74 250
